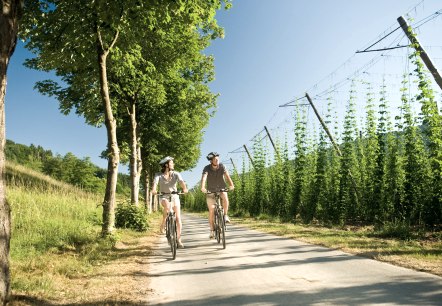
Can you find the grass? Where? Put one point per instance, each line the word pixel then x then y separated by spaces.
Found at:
pixel 55 232
pixel 423 253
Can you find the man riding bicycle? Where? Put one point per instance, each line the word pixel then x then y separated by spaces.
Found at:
pixel 215 174
pixel 167 180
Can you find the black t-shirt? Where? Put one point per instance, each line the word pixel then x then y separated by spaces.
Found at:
pixel 215 177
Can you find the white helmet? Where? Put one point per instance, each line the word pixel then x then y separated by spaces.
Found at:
pixel 212 155
pixel 165 160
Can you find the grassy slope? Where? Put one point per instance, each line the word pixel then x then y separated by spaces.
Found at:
pixel 55 233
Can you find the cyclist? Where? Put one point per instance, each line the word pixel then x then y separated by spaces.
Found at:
pixel 216 175
pixel 167 180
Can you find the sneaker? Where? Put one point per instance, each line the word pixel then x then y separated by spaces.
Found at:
pixel 226 217
pixel 180 245
pixel 212 234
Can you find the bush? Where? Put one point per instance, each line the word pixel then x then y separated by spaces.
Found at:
pixel 399 230
pixel 131 216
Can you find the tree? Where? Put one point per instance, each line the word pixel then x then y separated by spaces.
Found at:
pixel 71 30
pixel 9 22
pixel 75 38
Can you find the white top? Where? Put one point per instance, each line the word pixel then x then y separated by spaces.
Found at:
pixel 167 185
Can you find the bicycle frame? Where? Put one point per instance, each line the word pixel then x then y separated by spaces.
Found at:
pixel 171 226
pixel 219 220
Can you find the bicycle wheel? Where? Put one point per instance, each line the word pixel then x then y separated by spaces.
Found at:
pixel 173 237
pixel 223 230
pixel 168 229
pixel 218 221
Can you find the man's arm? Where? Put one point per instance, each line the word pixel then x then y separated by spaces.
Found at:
pixel 229 180
pixel 203 182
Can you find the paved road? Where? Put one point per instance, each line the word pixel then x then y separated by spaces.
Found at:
pixel 262 269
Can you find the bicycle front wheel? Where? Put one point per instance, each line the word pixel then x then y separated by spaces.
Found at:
pixel 173 237
pixel 223 231
pixel 218 221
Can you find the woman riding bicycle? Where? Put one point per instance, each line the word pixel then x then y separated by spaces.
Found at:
pixel 167 180
pixel 216 175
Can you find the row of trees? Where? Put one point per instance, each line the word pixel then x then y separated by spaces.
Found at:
pixel 135 66
pixel 390 172
pixel 68 168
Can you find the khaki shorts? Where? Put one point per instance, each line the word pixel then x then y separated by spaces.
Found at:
pixel 210 198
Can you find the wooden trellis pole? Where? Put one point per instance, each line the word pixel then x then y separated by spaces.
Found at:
pixel 234 168
pixel 250 156
pixel 423 54
pixel 271 140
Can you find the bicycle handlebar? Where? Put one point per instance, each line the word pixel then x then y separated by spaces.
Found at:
pixel 170 193
pixel 221 190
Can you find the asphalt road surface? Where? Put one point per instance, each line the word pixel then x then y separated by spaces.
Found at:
pixel 263 269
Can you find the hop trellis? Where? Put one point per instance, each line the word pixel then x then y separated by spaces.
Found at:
pixel 386 164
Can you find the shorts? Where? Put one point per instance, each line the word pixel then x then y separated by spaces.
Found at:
pixel 174 199
pixel 210 198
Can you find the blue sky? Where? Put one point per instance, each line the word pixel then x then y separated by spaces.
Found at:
pixel 272 53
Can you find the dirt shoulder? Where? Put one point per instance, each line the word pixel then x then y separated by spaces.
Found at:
pixel 124 281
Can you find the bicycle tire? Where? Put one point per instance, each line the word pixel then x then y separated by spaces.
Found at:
pixel 218 225
pixel 173 238
pixel 168 229
pixel 223 231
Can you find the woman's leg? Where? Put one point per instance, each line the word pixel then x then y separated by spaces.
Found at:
pixel 165 203
pixel 177 209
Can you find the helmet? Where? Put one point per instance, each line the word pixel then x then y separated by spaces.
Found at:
pixel 165 160
pixel 211 155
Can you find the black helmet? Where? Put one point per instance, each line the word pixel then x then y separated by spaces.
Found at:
pixel 165 160
pixel 211 155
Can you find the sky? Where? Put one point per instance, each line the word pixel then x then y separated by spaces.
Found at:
pixel 272 53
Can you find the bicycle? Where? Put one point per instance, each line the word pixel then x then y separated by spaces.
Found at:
pixel 171 227
pixel 220 221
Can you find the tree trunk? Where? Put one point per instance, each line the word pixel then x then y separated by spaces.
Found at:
pixel 112 147
pixel 147 192
pixel 135 157
pixel 9 18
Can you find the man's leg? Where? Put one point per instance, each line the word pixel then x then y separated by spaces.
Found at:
pixel 225 202
pixel 211 206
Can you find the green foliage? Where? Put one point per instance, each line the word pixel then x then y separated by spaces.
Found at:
pixel 131 216
pixel 48 214
pixel 81 173
pixel 396 170
pixel 399 230
pixel 260 195
pixel 300 162
pixel 432 129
